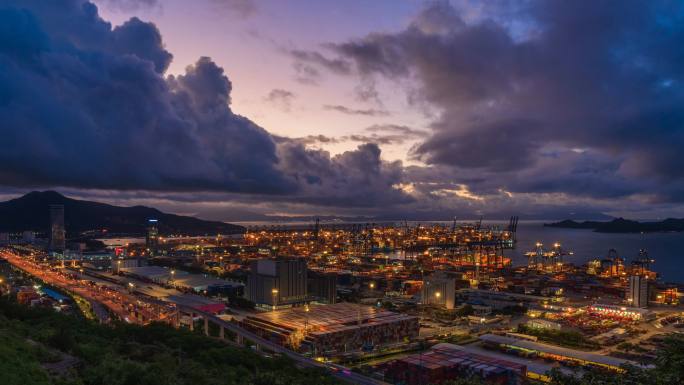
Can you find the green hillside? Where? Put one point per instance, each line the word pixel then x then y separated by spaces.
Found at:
pixel 39 346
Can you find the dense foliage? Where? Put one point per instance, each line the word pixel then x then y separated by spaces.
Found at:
pixel 32 340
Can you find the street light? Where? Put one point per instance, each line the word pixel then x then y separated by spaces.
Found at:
pixel 306 319
pixel 274 291
pixel 372 285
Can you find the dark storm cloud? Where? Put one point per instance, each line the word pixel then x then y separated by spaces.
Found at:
pixel 359 177
pixel 83 105
pixel 604 76
pixel 354 111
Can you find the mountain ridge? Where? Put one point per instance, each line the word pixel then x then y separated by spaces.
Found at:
pixel 622 225
pixel 31 212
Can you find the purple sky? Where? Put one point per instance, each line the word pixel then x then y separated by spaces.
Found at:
pixel 237 109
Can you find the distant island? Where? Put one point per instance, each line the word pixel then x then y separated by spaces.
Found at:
pixel 31 212
pixel 621 225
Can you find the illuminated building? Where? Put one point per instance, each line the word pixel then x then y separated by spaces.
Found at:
pixel 332 329
pixel 439 290
pixel 594 267
pixel 544 324
pixel 57 231
pixel 152 237
pixel 614 311
pixel 280 282
pixel 638 291
pixel 552 352
pixel 666 295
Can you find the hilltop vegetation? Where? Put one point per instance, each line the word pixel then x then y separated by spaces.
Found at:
pixel 84 353
pixel 31 212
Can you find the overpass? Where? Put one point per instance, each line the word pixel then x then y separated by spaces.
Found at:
pixel 174 317
pixel 241 335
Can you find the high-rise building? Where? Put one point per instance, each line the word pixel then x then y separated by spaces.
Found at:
pixel 152 237
pixel 638 291
pixel 322 286
pixel 279 282
pixel 440 290
pixel 57 231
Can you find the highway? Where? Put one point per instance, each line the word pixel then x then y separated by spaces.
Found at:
pixel 122 303
pixel 116 300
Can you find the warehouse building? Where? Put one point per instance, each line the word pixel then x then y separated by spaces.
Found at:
pixel 440 290
pixel 551 352
pixel 332 329
pixel 277 283
pixel 184 280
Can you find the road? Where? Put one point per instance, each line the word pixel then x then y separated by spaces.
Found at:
pixel 122 303
pixel 337 371
pixel 116 300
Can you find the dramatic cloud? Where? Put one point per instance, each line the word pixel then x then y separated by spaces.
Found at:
pixel 85 105
pixel 521 84
pixel 538 108
pixel 356 177
pixel 353 111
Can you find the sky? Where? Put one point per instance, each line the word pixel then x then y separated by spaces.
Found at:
pixel 243 110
